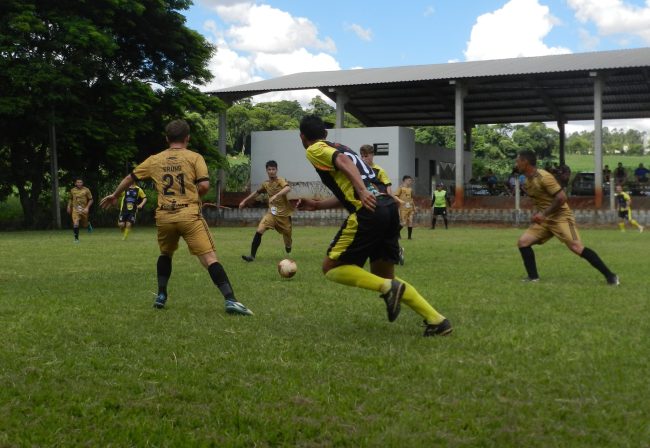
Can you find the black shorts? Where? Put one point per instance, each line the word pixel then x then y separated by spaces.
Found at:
pixel 439 211
pixel 624 214
pixel 127 217
pixel 368 235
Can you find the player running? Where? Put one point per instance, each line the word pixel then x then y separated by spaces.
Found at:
pixel 624 203
pixel 79 202
pixel 280 210
pixel 552 217
pixel 181 178
pixel 369 232
pixel 132 200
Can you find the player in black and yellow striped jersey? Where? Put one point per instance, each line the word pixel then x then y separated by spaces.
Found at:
pixel 181 178
pixel 624 205
pixel 552 217
pixel 370 231
pixel 132 200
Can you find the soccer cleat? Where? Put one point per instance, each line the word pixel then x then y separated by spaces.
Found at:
pixel 76 240
pixel 247 258
pixel 530 280
pixel 613 280
pixel 90 228
pixel 641 229
pixel 442 329
pixel 161 298
pixel 287 249
pixel 401 256
pixel 393 299
pixel 234 307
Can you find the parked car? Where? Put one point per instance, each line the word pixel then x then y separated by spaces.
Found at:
pixel 583 184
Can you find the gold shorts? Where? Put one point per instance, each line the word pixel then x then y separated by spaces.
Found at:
pixel 406 215
pixel 195 233
pixel 564 230
pixel 81 217
pixel 281 224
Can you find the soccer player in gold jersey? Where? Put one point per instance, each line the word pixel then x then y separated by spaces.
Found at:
pixel 404 195
pixel 181 178
pixel 551 217
pixel 278 216
pixel 370 231
pixel 79 202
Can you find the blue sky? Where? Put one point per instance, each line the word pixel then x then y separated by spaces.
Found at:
pixel 265 39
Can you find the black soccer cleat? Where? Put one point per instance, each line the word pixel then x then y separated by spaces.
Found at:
pixel 160 301
pixel 287 249
pixel 393 299
pixel 247 258
pixel 613 280
pixel 442 329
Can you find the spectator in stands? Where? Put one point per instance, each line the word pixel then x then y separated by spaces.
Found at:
pixel 620 176
pixel 641 173
pixel 491 180
pixel 607 174
pixel 563 175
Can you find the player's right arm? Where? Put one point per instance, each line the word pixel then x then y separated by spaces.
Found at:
pixel 111 199
pixel 349 169
pixel 242 204
pixel 312 204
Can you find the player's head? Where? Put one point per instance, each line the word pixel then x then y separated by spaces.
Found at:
pixel 526 159
pixel 312 129
pixel 367 153
pixel 407 180
pixel 78 182
pixel 440 186
pixel 177 131
pixel 272 169
pixel 619 188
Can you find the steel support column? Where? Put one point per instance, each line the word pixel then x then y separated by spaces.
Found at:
pixel 598 140
pixel 459 111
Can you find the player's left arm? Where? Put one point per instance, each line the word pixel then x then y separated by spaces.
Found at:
pixel 143 199
pixel 558 200
pixel 89 203
pixel 203 187
pixel 344 164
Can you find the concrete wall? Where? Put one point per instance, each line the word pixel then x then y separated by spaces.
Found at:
pixel 445 168
pixel 397 147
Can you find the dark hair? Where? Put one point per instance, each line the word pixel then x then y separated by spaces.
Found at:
pixel 313 128
pixel 367 149
pixel 272 163
pixel 529 156
pixel 177 131
pixel 406 177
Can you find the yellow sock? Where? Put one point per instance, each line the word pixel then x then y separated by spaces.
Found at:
pixel 352 275
pixel 126 233
pixel 635 223
pixel 417 303
pixel 621 225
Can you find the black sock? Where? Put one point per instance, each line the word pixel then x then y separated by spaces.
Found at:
pixel 75 230
pixel 529 261
pixel 433 222
pixel 410 231
pixel 164 270
pixel 593 259
pixel 219 278
pixel 445 219
pixel 257 240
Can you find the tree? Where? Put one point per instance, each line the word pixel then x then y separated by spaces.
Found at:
pixel 89 68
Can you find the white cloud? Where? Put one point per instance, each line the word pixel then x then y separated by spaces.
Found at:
pixel 361 32
pixel 515 30
pixel 588 41
pixel 614 17
pixel 295 62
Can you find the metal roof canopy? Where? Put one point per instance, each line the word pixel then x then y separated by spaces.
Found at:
pixel 561 88
pixel 544 88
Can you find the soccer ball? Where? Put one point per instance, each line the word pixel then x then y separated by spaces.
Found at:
pixel 287 268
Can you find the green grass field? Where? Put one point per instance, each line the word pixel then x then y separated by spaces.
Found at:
pixel 86 361
pixel 586 163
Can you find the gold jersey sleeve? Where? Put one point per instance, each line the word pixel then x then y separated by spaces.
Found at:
pixel 542 188
pixel 281 205
pixel 176 174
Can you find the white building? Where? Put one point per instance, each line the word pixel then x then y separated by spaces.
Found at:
pixel 395 151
